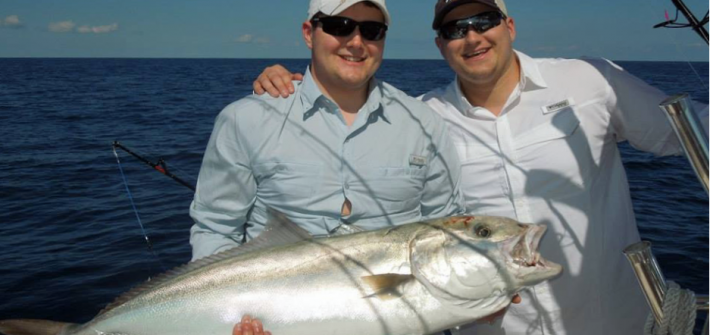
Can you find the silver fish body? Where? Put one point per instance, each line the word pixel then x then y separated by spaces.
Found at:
pixel 417 278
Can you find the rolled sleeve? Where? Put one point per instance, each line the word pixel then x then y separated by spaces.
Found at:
pixel 635 113
pixel 637 117
pixel 226 190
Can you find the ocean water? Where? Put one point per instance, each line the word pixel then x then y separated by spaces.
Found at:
pixel 70 239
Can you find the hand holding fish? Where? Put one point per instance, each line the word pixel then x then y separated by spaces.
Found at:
pixel 495 316
pixel 249 326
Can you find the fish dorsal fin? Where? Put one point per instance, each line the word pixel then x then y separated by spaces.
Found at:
pixel 386 286
pixel 345 229
pixel 279 231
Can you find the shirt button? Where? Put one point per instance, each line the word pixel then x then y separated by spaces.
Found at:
pixel 347 186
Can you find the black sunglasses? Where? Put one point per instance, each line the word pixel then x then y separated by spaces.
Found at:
pixel 479 23
pixel 343 26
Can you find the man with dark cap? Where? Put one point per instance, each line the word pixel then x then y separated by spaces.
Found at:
pixel 537 139
pixel 556 124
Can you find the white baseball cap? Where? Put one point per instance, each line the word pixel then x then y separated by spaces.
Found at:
pixel 335 7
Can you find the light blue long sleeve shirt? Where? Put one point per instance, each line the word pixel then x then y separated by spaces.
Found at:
pixel 395 164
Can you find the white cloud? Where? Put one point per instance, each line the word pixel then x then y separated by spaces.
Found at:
pixel 246 38
pixel 98 29
pixel 12 21
pixel 249 38
pixel 62 27
pixel 70 26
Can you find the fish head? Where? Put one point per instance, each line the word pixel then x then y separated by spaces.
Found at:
pixel 469 260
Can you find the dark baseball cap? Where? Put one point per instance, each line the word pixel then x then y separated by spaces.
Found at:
pixel 443 7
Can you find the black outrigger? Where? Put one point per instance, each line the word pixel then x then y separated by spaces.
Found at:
pixel 698 26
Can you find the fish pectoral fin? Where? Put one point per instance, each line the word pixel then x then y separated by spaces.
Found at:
pixel 386 286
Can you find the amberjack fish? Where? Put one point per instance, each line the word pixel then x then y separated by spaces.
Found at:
pixel 416 278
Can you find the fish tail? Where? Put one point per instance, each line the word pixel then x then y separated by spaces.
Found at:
pixel 34 327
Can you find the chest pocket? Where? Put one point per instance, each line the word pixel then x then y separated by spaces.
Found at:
pixel 393 188
pixel 563 124
pixel 557 155
pixel 297 180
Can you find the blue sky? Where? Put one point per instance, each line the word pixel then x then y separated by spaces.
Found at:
pixel 615 29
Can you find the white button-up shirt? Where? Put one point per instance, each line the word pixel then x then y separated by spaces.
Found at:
pixel 551 157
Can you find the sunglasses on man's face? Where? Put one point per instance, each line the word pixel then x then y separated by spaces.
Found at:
pixel 343 26
pixel 480 23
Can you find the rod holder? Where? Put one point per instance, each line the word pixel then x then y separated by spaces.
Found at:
pixel 649 275
pixel 691 133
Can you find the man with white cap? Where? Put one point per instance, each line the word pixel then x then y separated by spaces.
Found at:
pixel 537 139
pixel 344 150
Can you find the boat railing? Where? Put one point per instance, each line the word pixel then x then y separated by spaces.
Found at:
pixel 694 139
pixel 703 303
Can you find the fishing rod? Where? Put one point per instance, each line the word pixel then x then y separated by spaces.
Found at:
pixel 698 26
pixel 160 166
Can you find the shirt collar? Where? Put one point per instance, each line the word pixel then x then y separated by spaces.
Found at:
pixel 310 93
pixel 530 79
pixel 374 97
pixel 312 98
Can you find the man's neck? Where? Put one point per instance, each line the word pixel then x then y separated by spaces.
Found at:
pixel 348 100
pixel 349 103
pixel 493 95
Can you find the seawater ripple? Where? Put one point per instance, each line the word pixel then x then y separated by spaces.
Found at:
pixel 70 238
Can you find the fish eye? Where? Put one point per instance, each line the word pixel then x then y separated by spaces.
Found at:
pixel 483 231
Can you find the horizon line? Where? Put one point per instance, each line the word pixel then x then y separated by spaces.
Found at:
pixel 305 59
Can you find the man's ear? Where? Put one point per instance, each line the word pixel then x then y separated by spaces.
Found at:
pixel 307 28
pixel 440 44
pixel 510 25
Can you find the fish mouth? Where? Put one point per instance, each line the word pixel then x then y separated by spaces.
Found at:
pixel 523 251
